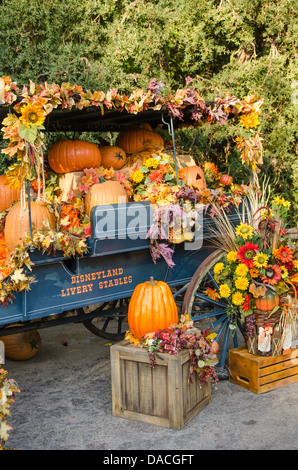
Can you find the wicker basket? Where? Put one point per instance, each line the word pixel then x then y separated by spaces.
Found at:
pixel 265 339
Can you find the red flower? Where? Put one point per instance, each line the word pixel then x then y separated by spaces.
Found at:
pixel 273 275
pixel 156 175
pixel 247 252
pixel 290 266
pixel 246 303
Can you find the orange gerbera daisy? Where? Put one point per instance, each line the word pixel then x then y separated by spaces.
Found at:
pixel 284 254
pixel 254 272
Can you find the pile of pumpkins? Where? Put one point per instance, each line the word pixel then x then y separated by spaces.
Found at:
pixel 66 157
pixel 69 156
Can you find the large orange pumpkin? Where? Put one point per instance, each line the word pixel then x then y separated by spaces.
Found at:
pixel 110 192
pixel 151 308
pixel 73 155
pixel 17 221
pixel 7 194
pixel 112 157
pixel 134 139
pixel 268 301
pixel 193 176
pixel 21 346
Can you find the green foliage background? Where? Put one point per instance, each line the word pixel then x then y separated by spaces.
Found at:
pixel 224 45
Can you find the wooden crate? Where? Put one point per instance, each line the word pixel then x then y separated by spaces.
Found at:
pixel 262 373
pixel 159 395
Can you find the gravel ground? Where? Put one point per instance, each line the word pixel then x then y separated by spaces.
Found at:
pixel 66 404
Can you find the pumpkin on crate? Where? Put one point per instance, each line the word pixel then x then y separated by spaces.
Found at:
pixel 109 192
pixel 7 194
pixel 17 221
pixel 134 139
pixel 193 176
pixel 151 308
pixel 66 156
pixel 21 346
pixel 112 157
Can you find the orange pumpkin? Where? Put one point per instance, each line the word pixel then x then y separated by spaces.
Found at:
pixel 226 180
pixel 21 346
pixel 7 194
pixel 17 221
pixel 268 301
pixel 112 157
pixel 151 308
pixel 110 192
pixel 66 156
pixel 134 139
pixel 193 176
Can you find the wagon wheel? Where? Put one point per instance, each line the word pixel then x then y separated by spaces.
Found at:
pixel 110 319
pixel 212 312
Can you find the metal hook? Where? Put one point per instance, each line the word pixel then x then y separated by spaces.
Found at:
pixel 172 134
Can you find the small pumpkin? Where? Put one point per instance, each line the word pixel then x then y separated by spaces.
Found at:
pixel 226 180
pixel 193 176
pixel 17 221
pixel 7 194
pixel 152 307
pixel 134 139
pixel 109 192
pixel 268 301
pixel 112 157
pixel 21 346
pixel 66 156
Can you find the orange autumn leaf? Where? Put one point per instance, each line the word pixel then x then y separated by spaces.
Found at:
pixel 257 291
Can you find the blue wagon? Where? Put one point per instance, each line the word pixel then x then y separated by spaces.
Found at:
pixel 95 289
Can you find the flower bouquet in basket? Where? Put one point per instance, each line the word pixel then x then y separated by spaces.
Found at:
pixel 258 274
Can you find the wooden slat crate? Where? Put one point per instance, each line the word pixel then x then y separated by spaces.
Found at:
pixel 262 373
pixel 159 395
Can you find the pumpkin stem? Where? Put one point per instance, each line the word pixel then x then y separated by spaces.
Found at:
pixel 152 281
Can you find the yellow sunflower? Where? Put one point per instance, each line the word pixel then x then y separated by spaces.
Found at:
pixel 224 291
pixel 241 283
pixel 295 262
pixel 32 114
pixel 260 260
pixel 249 120
pixel 237 298
pixel 244 231
pixel 284 272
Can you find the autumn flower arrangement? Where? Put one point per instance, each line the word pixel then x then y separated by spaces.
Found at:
pixel 260 262
pixel 158 169
pixel 202 347
pixel 8 390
